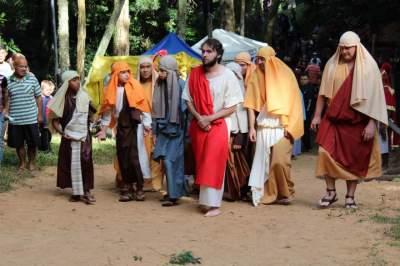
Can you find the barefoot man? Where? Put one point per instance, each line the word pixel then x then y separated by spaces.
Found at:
pixel 212 94
pixel 25 112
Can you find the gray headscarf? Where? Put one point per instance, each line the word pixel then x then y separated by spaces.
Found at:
pixel 167 92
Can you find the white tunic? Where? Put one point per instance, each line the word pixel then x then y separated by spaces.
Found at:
pixel 226 92
pixel 269 132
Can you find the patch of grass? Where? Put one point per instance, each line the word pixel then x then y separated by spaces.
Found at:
pixel 394 230
pixel 137 258
pixel 184 258
pixel 395 244
pixel 376 257
pixel 103 153
pixel 9 176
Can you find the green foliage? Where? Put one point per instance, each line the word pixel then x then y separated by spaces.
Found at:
pixel 103 153
pixel 137 258
pixel 394 230
pixel 184 258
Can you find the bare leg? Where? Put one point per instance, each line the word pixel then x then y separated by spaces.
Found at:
pixel 351 189
pixel 22 158
pixel 330 196
pixel 31 158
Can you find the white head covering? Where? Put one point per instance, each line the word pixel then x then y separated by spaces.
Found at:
pixel 154 74
pixel 56 105
pixel 367 95
pixel 239 122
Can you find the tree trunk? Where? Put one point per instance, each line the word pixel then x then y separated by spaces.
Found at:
pixel 80 57
pixel 108 33
pixel 181 17
pixel 272 14
pixel 242 16
pixel 121 34
pixel 44 35
pixel 207 10
pixel 63 34
pixel 105 40
pixel 227 15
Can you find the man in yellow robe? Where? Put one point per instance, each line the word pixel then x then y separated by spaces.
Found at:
pixel 274 94
pixel 352 95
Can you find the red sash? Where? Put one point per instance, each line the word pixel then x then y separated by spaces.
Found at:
pixel 340 132
pixel 210 147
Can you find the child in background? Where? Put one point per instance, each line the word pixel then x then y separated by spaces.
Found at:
pixel 5 67
pixel 47 88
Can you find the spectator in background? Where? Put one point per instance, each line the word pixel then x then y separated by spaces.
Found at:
pixel 5 68
pixel 390 98
pixel 25 107
pixel 314 72
pixel 310 93
pixel 315 60
pixel 45 135
pixel 3 99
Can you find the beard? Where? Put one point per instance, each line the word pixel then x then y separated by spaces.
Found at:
pixel 210 63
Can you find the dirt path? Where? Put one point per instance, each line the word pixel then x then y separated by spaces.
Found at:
pixel 38 226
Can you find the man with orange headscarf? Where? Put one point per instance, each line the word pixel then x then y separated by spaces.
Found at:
pixel 244 60
pixel 123 106
pixel 352 95
pixel 274 94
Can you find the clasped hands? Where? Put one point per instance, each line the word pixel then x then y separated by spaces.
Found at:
pixel 204 122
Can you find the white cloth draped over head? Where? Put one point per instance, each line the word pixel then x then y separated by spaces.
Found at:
pixel 56 105
pixel 239 118
pixel 154 74
pixel 367 95
pixel 167 93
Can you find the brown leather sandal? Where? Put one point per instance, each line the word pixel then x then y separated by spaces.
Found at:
pixel 326 202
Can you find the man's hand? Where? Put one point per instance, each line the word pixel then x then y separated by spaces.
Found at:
pixel 252 134
pixel 101 135
pixel 237 147
pixel 66 137
pixel 204 122
pixel 40 119
pixel 369 130
pixel 315 123
pixel 146 131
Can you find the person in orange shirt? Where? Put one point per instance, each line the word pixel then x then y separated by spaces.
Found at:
pixel 123 107
pixel 274 94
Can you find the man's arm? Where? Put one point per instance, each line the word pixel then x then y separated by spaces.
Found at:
pixel 318 111
pixel 5 101
pixel 204 121
pixel 252 122
pixel 39 106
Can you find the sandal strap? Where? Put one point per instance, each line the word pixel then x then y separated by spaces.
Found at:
pixel 331 189
pixel 349 197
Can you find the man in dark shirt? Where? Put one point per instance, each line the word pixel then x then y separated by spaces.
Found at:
pixel 310 93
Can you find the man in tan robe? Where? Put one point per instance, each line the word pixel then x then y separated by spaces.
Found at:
pixel 147 77
pixel 353 98
pixel 274 94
